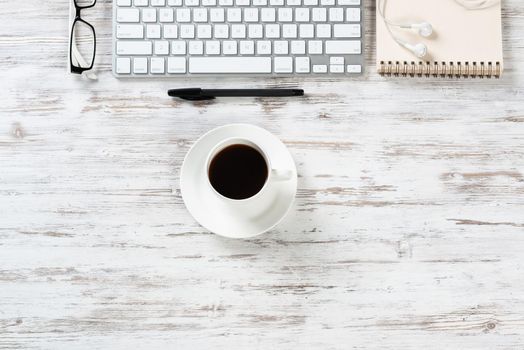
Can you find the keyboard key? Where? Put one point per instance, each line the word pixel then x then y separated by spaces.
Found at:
pixel 127 15
pixel 272 31
pixel 123 3
pixel 264 47
pixel 255 31
pixel 229 47
pixel 336 68
pixel 268 14
pixel 289 31
pixel 302 15
pixel 302 65
pixel 161 47
pixel 340 47
pixel 336 60
pixel 196 47
pixel 285 14
pixel 315 47
pixel 283 64
pixel 353 15
pixel 123 65
pixel 140 65
pixel 157 65
pixel 346 30
pixel 354 68
pixel 129 48
pixel 149 15
pixel 170 31
pixel 212 47
pixel 238 31
pixel 307 30
pixel 221 31
pixel 204 31
pixel 280 47
pixel 187 31
pixel 217 15
pixel 319 68
pixel 176 65
pixel 298 47
pixel 251 15
pixel 178 47
pixel 323 30
pixel 247 47
pixel 166 15
pixel 129 31
pixel 153 31
pixel 183 15
pixel 215 65
pixel 234 15
pixel 336 14
pixel 200 15
pixel 319 14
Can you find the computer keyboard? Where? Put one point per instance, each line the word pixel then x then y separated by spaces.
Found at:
pixel 242 37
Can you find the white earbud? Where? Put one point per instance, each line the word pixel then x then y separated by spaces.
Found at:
pixel 424 29
pixel 420 50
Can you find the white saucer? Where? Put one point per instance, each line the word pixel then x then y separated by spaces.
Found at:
pixel 216 215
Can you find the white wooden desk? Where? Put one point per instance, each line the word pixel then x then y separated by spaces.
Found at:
pixel 407 233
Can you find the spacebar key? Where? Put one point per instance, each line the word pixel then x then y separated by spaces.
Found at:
pixel 217 65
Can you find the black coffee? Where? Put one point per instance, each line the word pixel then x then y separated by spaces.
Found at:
pixel 238 172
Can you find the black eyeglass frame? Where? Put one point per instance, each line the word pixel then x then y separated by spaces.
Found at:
pixel 74 68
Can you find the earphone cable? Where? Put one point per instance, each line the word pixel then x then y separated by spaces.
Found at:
pixel 381 9
pixel 477 4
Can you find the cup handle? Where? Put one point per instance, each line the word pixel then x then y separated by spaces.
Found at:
pixel 281 174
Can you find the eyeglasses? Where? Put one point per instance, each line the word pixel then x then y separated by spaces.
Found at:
pixel 82 43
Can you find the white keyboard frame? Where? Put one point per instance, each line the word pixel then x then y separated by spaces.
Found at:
pixel 359 59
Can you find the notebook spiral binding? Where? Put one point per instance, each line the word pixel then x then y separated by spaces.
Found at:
pixel 441 69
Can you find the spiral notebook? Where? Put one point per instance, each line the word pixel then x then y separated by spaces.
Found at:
pixel 465 43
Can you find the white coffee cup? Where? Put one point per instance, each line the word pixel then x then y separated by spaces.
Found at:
pixel 263 199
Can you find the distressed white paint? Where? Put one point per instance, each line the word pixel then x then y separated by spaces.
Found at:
pixel 407 233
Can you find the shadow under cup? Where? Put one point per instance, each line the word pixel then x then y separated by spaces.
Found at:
pixel 238 169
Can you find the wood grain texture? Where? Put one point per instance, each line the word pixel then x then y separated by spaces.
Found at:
pixel 407 232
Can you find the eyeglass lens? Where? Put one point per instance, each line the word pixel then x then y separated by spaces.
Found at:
pixel 84 44
pixel 84 3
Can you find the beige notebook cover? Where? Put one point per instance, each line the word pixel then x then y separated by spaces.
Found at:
pixel 464 42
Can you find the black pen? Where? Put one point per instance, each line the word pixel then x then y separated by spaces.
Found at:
pixel 197 94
